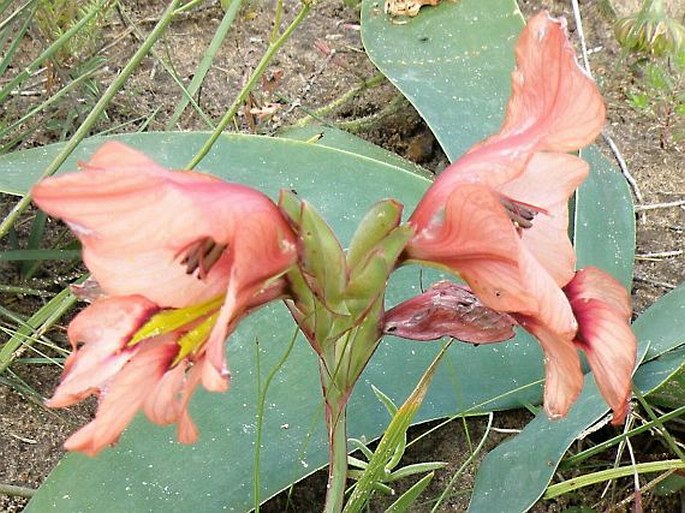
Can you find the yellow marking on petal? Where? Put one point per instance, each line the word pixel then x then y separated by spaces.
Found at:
pixel 193 340
pixel 170 320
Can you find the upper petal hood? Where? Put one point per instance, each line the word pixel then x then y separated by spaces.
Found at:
pixel 553 100
pixel 137 221
pixel 554 107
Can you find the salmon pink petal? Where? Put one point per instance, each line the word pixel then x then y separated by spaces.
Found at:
pixel 548 179
pixel 475 238
pixel 109 323
pixel 116 155
pixel 547 238
pixel 553 100
pixel 563 374
pixel 602 306
pixel 610 347
pixel 486 165
pixel 187 430
pixel 471 225
pixel 104 329
pixel 124 395
pixel 552 309
pixel 592 283
pixel 267 249
pixel 140 225
pixel 162 405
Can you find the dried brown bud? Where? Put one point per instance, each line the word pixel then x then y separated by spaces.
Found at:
pixel 448 309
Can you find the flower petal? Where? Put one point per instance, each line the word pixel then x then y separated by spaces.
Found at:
pixel 124 396
pixel 563 374
pixel 610 346
pixel 162 404
pixel 602 306
pixel 553 99
pixel 548 239
pixel 187 430
pixel 593 283
pixel 488 165
pixel 104 328
pixel 475 238
pixel 136 221
pixel 115 155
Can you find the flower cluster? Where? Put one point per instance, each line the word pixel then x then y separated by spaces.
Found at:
pixel 179 257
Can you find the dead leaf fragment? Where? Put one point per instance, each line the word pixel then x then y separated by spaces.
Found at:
pixel 406 7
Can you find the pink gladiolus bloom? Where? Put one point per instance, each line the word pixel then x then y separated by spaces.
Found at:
pixel 508 195
pixel 179 257
pixel 498 216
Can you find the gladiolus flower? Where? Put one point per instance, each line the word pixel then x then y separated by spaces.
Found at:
pixel 498 216
pixel 178 257
pixel 509 194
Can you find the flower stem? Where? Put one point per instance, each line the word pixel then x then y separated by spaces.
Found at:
pixel 249 86
pixel 337 469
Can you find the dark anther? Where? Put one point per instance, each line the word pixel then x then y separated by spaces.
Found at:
pixel 201 256
pixel 521 214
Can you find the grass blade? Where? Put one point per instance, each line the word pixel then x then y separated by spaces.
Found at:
pixel 205 64
pixel 37 325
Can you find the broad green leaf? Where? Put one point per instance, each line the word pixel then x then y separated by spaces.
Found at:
pixel 671 394
pixel 148 471
pixel 604 224
pixel 321 135
pixel 537 450
pixel 454 62
pixel 665 340
pixel 662 326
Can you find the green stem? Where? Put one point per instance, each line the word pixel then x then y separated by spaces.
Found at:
pixel 336 417
pixel 50 51
pixel 605 475
pixel 97 111
pixel 372 82
pixel 249 86
pixel 204 66
pixel 13 490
